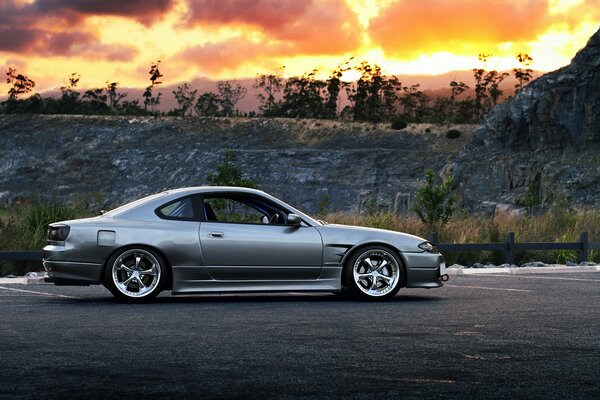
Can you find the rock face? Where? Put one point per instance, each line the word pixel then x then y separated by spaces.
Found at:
pixel 312 164
pixel 540 144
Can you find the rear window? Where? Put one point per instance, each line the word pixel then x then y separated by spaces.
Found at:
pixel 178 209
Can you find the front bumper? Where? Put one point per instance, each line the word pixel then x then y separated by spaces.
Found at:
pixel 424 270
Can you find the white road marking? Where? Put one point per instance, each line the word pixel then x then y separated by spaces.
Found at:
pixel 548 278
pixel 40 293
pixel 489 288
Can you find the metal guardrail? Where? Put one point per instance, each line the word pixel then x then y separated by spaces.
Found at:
pixel 21 256
pixel 510 247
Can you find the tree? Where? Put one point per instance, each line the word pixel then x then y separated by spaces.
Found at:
pixel 302 97
pixel 230 92
pixel 487 87
pixel 333 88
pixel 465 111
pixel 185 98
pixel 456 89
pixel 523 75
pixel 228 174
pixel 492 82
pixel 208 105
pixel 271 85
pixel 21 84
pixel 414 103
pixel 373 96
pixel 434 203
pixel 480 87
pixel 155 75
pixel 95 100
pixel 113 96
pixel 69 101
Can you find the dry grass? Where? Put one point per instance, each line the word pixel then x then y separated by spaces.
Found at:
pixel 557 225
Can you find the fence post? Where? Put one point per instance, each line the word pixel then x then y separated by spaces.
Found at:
pixel 433 238
pixel 510 248
pixel 583 251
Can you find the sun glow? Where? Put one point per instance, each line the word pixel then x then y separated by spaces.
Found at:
pixel 201 38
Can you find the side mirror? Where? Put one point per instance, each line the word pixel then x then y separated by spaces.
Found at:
pixel 294 220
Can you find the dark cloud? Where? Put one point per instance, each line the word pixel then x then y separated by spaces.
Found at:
pixel 29 29
pixel 271 15
pixel 144 11
pixel 15 40
pixel 408 28
pixel 50 44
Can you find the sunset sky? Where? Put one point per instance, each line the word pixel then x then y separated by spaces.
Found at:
pixel 117 40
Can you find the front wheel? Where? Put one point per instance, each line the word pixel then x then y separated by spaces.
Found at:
pixel 374 273
pixel 135 275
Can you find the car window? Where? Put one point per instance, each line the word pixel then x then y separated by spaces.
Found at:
pixel 242 209
pixel 178 209
pixel 231 210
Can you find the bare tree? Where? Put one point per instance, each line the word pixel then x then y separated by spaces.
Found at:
pixel 113 96
pixel 21 84
pixel 230 92
pixel 271 84
pixel 523 75
pixel 185 98
pixel 155 75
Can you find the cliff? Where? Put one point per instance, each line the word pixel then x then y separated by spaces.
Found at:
pixel 541 144
pixel 312 164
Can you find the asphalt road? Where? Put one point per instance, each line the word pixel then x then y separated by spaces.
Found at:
pixel 525 336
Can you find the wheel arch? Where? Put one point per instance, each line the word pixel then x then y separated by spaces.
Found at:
pixel 168 283
pixel 394 250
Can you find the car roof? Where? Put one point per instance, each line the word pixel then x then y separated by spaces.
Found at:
pixel 144 208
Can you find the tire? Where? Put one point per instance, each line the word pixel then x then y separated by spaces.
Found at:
pixel 374 273
pixel 135 274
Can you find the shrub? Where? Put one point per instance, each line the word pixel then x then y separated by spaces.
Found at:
pixel 398 123
pixel 434 203
pixel 453 134
pixel 228 174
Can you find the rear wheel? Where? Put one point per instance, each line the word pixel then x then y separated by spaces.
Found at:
pixel 135 275
pixel 374 272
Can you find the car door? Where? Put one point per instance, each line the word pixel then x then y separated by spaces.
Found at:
pixel 244 248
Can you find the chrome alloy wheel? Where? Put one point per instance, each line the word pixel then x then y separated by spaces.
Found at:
pixel 136 273
pixel 376 272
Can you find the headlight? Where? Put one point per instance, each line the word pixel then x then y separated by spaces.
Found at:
pixel 58 233
pixel 428 247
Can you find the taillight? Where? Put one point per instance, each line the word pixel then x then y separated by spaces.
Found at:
pixel 58 233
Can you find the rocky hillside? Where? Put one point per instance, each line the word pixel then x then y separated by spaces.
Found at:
pixel 312 164
pixel 542 143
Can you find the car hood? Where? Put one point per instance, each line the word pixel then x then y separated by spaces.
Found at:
pixel 347 235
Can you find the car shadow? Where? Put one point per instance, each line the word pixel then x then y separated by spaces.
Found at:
pixel 267 298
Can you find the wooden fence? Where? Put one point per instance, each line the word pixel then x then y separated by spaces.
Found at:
pixel 509 246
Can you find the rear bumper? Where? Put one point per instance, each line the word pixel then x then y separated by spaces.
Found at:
pixel 73 273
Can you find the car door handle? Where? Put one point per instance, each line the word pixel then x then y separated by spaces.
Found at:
pixel 216 234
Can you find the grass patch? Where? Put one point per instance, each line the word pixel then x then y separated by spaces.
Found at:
pixel 555 226
pixel 25 228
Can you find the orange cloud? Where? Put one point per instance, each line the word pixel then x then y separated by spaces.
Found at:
pixel 308 27
pixel 408 28
pixel 215 57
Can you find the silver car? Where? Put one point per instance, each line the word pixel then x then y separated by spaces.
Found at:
pixel 230 239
